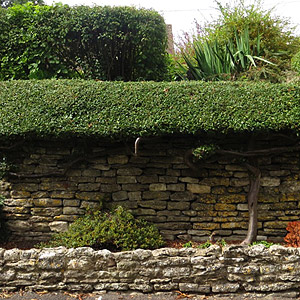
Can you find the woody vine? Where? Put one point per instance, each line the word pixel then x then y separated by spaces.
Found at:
pixel 248 159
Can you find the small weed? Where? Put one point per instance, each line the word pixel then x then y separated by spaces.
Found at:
pixel 188 245
pixel 205 245
pixel 265 243
pixel 222 243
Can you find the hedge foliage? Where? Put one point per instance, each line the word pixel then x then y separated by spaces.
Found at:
pixel 58 41
pixel 60 108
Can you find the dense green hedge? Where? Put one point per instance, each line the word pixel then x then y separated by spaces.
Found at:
pixel 132 109
pixel 58 41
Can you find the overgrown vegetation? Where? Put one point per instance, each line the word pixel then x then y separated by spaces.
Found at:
pixel 117 110
pixel 115 230
pixel 105 43
pixel 293 237
pixel 239 34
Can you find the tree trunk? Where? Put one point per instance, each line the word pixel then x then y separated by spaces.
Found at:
pixel 252 198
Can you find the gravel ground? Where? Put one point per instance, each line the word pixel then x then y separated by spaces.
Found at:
pixel 137 296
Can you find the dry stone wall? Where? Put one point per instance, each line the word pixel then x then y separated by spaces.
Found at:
pixel 215 270
pixel 156 185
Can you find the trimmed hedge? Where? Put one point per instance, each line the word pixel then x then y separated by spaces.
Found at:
pixel 118 110
pixel 106 43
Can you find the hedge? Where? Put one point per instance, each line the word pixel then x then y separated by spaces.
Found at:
pixel 118 110
pixel 58 41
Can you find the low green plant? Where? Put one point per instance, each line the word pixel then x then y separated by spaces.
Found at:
pixel 117 230
pixel 265 243
pixel 188 244
pixel 214 61
pixel 222 243
pixel 205 245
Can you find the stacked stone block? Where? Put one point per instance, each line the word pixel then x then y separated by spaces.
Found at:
pixel 214 270
pixel 156 185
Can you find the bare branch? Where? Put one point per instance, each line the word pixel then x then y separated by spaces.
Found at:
pixel 262 152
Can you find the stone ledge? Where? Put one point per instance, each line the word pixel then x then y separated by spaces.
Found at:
pixel 233 269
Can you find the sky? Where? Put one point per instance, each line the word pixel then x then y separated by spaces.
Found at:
pixel 182 13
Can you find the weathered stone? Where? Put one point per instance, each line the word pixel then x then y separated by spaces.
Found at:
pixel 91 173
pixel 58 226
pixel 243 207
pixel 20 194
pixel 62 194
pixel 134 187
pixel 219 190
pixel 178 205
pixel 280 173
pixel 189 180
pixel 270 181
pixel 198 188
pixel 232 198
pixel 129 171
pixel 91 204
pixel 90 196
pixel 215 181
pixel 206 226
pixel 117 159
pixel 147 179
pixel 157 187
pixel 179 187
pixel 45 211
pixel 237 182
pixel 88 187
pixel 73 211
pixel 182 196
pixel 225 206
pixel 134 196
pixel 235 168
pixel 168 179
pixel 126 179
pixel 119 196
pixel 107 180
pixel 225 288
pixel 275 224
pixel 193 287
pixel 47 202
pixel 72 202
pixel 154 204
pixel 156 195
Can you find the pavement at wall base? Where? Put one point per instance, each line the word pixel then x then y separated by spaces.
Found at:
pixel 44 295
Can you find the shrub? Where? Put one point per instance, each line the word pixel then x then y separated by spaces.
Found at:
pixel 117 229
pixel 295 62
pixel 118 110
pixel 106 43
pixel 293 237
pixel 275 37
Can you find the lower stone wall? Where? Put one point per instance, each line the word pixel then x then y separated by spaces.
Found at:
pixel 215 270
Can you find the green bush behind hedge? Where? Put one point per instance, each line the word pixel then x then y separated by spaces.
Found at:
pixel 52 108
pixel 58 41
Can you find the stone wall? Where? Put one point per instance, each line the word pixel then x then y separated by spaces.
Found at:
pixel 234 269
pixel 156 185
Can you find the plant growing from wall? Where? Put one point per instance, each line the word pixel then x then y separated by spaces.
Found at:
pixel 249 158
pixel 293 237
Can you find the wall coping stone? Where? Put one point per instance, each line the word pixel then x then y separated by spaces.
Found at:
pixel 215 270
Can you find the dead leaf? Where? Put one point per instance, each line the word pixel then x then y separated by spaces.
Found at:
pixel 42 292
pixel 183 295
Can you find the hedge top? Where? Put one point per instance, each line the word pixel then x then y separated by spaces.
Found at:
pixel 117 110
